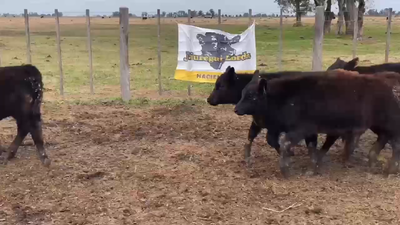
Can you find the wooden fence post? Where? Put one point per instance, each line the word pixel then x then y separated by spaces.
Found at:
pixel 28 37
pixel 89 46
pixel 219 18
pixel 355 31
pixel 280 40
pixel 189 89
pixel 388 33
pixel 250 16
pixel 318 39
pixel 124 53
pixel 159 51
pixel 59 52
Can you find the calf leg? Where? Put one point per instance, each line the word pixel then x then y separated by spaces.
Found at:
pixel 376 149
pixel 311 143
pixel 273 140
pixel 23 130
pixel 317 156
pixel 351 142
pixel 289 141
pixel 37 136
pixel 1 150
pixel 253 132
pixel 393 166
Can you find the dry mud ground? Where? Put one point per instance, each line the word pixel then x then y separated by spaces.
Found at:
pixel 180 165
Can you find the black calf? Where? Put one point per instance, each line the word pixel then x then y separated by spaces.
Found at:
pixel 21 93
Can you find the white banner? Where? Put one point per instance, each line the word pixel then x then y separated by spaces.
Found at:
pixel 204 54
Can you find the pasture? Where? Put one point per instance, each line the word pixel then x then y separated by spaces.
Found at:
pixel 172 159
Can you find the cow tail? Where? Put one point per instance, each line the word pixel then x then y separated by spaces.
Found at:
pixel 36 89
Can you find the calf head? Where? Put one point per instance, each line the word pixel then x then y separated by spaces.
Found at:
pixel 252 96
pixel 341 64
pixel 217 45
pixel 338 64
pixel 227 89
pixel 352 64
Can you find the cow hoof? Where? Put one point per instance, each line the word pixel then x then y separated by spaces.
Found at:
pixel 309 173
pixel 371 163
pixel 11 156
pixel 46 162
pixel 5 161
pixel 393 168
pixel 248 162
pixel 285 172
pixel 316 169
pixel 247 151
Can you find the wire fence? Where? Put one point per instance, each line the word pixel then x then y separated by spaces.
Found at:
pixel 88 59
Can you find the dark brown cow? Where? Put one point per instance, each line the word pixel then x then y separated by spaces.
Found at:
pixel 21 93
pixel 335 103
pixel 378 69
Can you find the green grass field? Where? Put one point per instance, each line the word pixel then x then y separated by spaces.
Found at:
pixel 297 51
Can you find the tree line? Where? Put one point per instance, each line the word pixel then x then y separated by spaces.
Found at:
pixel 199 13
pixel 346 14
pixel 383 12
pixel 31 14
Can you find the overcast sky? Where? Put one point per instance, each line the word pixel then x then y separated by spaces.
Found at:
pixel 137 6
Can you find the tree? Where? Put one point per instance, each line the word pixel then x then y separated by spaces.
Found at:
pixel 385 12
pixel 360 19
pixel 349 7
pixel 373 12
pixel 212 12
pixel 245 14
pixel 194 13
pixel 163 14
pixel 182 13
pixel 60 14
pixel 115 14
pixel 33 14
pixel 329 16
pixel 300 7
pixel 200 13
pixel 341 17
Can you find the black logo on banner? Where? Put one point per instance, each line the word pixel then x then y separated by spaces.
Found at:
pixel 216 49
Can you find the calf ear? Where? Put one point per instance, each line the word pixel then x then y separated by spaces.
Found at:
pixel 351 64
pixel 230 71
pixel 262 86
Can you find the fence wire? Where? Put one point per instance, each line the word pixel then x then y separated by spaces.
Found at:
pixel 279 47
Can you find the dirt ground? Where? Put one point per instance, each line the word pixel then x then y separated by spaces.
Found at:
pixel 180 165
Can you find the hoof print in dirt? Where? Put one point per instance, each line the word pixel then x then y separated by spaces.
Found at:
pixel 314 210
pixel 91 176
